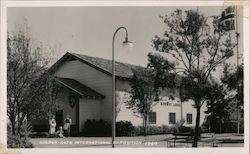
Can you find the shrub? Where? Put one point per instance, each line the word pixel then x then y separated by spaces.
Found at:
pixel 96 128
pixel 39 135
pixel 186 129
pixel 225 127
pixel 103 128
pixel 20 140
pixel 138 130
pixel 124 128
pixel 153 130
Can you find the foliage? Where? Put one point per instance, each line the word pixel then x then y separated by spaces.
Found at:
pixel 96 128
pixel 29 86
pixel 142 93
pixel 197 49
pixel 99 128
pixel 224 100
pixel 152 130
pixel 163 129
pixel 146 85
pixel 218 108
pixel 225 127
pixel 234 82
pixel 179 123
pixel 186 129
pixel 163 72
pixel 20 140
pixel 124 128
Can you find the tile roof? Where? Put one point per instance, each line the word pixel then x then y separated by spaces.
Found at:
pixel 79 88
pixel 122 70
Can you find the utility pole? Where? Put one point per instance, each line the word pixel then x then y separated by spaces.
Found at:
pixel 237 64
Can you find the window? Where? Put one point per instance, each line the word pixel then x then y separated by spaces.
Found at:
pixel 171 118
pixel 152 118
pixel 189 118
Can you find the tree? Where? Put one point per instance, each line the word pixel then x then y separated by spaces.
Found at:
pixel 218 107
pixel 233 80
pixel 29 86
pixel 198 49
pixel 146 85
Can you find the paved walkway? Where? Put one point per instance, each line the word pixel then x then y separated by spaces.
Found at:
pixel 225 140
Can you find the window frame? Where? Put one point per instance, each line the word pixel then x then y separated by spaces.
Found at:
pixel 188 122
pixel 150 118
pixel 169 118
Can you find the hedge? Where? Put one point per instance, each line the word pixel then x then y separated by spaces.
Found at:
pixel 100 128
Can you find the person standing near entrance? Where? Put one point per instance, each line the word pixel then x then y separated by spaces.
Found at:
pixel 66 126
pixel 52 125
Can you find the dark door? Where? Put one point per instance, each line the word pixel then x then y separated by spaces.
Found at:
pixel 74 102
pixel 59 118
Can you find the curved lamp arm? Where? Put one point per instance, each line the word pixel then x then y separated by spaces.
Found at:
pixel 113 82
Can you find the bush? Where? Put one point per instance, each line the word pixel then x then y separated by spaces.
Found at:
pixel 231 127
pixel 154 130
pixel 226 127
pixel 97 128
pixel 163 129
pixel 101 128
pixel 124 128
pixel 186 129
pixel 20 140
pixel 138 130
pixel 39 135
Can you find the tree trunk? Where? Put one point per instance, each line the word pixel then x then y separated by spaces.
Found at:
pixel 196 131
pixel 12 120
pixel 145 126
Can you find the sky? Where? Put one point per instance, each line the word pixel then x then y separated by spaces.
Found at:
pixel 89 30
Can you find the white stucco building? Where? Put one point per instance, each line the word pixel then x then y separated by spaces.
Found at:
pixel 86 94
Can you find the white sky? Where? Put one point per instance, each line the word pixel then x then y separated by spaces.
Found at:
pixel 89 30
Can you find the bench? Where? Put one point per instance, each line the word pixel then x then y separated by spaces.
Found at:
pixel 185 137
pixel 211 141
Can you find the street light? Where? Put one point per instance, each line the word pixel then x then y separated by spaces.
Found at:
pixel 126 43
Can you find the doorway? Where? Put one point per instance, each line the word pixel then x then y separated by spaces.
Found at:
pixel 59 118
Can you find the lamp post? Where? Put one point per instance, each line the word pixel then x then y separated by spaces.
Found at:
pixel 125 43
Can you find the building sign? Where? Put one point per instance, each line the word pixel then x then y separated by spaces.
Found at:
pixel 169 104
pixel 165 102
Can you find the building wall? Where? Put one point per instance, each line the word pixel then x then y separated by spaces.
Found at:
pixel 65 106
pixel 162 109
pixel 88 109
pixel 93 78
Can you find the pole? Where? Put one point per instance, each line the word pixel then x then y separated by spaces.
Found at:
pixel 113 85
pixel 181 111
pixel 237 64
